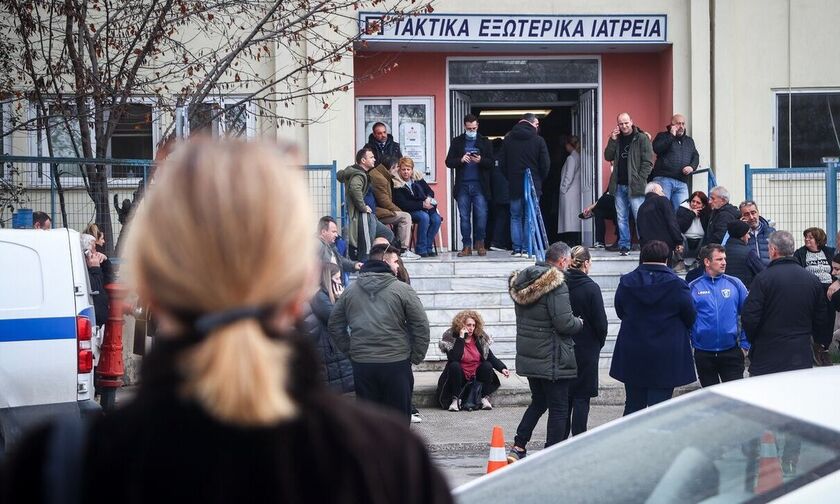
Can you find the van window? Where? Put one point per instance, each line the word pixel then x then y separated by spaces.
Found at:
pixel 22 277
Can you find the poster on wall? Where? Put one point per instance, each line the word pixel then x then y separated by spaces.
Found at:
pixel 413 137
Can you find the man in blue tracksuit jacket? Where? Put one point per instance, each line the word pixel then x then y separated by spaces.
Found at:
pixel 718 340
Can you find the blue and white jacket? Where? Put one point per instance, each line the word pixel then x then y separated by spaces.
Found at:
pixel 718 302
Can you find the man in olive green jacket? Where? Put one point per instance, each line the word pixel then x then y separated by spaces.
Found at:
pixel 363 226
pixel 545 351
pixel 388 331
pixel 631 153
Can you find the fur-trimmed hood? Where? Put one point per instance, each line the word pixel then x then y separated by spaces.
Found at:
pixel 532 283
pixel 483 341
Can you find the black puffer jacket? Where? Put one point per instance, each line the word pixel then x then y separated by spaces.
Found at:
pixel 718 221
pixel 524 148
pixel 545 323
pixel 391 148
pixel 672 155
pixel 337 369
pixel 588 304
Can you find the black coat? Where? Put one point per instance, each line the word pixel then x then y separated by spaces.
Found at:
pixel 656 221
pixel 587 303
pixel 391 148
pixel 454 349
pixel 672 155
pixel 411 200
pixel 100 296
pixel 162 448
pixel 801 253
pixel 485 166
pixel 718 221
pixel 653 348
pixel 742 261
pixel 783 311
pixel 336 367
pixel 524 148
pixel 685 217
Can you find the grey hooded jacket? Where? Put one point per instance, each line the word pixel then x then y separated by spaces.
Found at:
pixel 545 323
pixel 385 318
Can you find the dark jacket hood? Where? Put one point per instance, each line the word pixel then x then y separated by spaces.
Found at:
pixel 523 131
pixel 576 278
pixel 388 140
pixel 532 283
pixel 650 283
pixel 374 276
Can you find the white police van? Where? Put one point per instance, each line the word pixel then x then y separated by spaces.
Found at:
pixel 46 325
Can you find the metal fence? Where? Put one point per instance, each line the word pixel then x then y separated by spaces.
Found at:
pixel 57 186
pixel 796 198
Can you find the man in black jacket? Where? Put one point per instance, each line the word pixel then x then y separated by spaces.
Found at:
pixel 722 214
pixel 523 149
pixel 382 144
pixel 676 159
pixel 657 220
pixel 742 261
pixel 783 312
pixel 471 157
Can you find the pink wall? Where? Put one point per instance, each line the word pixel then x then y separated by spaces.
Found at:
pixel 639 83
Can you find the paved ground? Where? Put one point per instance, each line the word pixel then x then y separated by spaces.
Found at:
pixel 460 441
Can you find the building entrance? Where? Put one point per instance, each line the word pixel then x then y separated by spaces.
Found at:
pixel 562 112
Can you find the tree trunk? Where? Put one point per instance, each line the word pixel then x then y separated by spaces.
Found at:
pixel 99 195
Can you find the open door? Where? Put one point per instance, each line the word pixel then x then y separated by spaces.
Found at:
pixel 460 106
pixel 584 123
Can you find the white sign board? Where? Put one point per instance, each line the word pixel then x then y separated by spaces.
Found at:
pixel 515 29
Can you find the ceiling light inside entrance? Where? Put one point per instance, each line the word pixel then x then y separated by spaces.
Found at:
pixel 513 113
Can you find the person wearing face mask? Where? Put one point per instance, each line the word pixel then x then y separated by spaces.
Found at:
pixel 470 156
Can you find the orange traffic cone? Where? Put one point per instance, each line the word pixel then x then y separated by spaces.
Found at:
pixel 497 458
pixel 769 466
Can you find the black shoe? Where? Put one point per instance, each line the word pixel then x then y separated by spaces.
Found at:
pixel 623 251
pixel 612 248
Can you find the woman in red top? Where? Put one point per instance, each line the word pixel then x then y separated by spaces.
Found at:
pixel 469 360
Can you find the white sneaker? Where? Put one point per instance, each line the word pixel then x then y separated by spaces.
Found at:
pixel 454 405
pixel 415 418
pixel 409 256
pixel 485 403
pixel 497 249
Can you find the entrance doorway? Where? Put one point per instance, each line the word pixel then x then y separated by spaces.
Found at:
pixel 562 112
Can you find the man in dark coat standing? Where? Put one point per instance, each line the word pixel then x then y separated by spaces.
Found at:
pixel 722 214
pixel 523 149
pixel 657 220
pixel 676 159
pixel 382 143
pixel 471 157
pixel 653 349
pixel 742 261
pixel 783 312
pixel 545 351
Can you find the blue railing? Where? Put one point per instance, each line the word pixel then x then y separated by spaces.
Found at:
pixel 796 198
pixel 535 235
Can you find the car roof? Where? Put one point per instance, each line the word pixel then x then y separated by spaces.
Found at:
pixel 804 395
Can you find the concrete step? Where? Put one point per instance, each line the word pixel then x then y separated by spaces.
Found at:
pixel 515 392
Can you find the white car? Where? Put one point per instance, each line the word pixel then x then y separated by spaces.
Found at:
pixel 772 438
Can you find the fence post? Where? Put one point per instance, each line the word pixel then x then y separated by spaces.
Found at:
pixel 831 202
pixel 53 191
pixel 334 188
pixel 748 188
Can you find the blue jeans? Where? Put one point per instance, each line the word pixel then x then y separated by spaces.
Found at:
pixel 624 203
pixel 427 227
pixel 675 190
pixel 517 225
pixel 472 203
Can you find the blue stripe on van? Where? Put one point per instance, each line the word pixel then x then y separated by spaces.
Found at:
pixel 32 329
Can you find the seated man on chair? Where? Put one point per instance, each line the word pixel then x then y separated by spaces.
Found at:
pixel 413 195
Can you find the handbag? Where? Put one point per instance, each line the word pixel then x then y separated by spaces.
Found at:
pixel 473 399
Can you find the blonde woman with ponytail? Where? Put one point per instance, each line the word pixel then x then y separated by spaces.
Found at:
pixel 588 304
pixel 231 407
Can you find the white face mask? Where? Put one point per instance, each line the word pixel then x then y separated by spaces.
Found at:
pixel 471 134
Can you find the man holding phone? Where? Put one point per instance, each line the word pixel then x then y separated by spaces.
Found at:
pixel 676 159
pixel 471 157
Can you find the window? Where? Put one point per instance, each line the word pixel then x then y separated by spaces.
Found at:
pixel 813 130
pixel 235 121
pixel 523 71
pixel 60 136
pixel 133 138
pixel 414 120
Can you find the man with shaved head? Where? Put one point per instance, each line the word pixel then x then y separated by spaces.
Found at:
pixel 676 159
pixel 630 151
